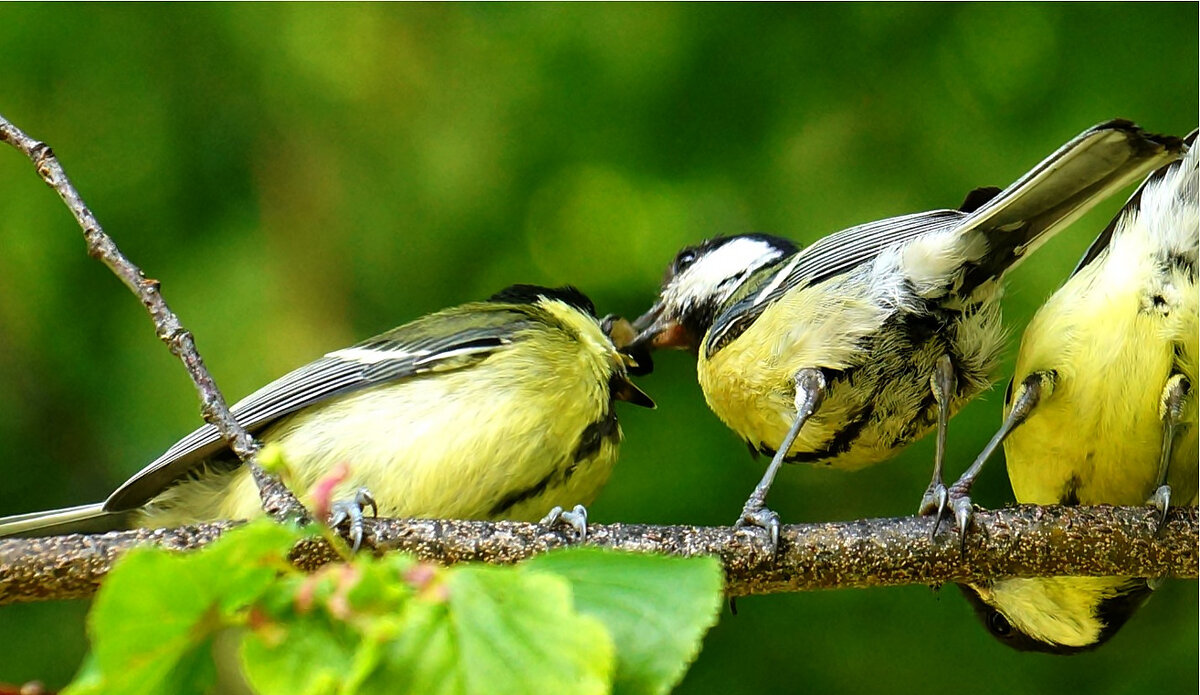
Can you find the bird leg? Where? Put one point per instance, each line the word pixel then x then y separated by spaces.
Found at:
pixel 1170 410
pixel 810 391
pixel 353 511
pixel 576 519
pixel 1032 390
pixel 943 383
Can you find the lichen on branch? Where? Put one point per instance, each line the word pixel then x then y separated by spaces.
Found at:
pixel 1017 541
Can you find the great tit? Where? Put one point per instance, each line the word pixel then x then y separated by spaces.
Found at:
pixel 491 410
pixel 1102 408
pixel 844 352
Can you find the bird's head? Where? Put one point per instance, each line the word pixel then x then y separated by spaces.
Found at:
pixel 1057 615
pixel 699 282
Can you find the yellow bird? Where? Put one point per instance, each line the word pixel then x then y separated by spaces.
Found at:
pixel 1102 407
pixel 844 352
pixel 491 410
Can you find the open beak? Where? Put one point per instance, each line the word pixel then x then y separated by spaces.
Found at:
pixel 622 389
pixel 622 334
pixel 657 332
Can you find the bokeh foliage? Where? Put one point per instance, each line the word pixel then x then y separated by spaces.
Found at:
pixel 300 177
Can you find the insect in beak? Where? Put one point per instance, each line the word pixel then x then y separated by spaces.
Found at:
pixel 658 332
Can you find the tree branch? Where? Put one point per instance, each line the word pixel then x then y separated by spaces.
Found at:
pixel 1024 541
pixel 1021 541
pixel 277 500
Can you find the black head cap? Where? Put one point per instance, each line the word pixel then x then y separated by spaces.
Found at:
pixel 531 294
pixel 1116 611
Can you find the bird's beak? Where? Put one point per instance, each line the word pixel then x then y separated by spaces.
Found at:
pixel 622 335
pixel 622 389
pixel 659 332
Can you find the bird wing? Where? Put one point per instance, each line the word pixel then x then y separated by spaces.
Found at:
pixel 438 342
pixel 831 256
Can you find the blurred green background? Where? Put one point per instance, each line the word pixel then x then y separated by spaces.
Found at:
pixel 301 177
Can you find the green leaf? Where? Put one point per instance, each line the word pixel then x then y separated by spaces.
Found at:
pixel 414 653
pixel 88 680
pixel 309 660
pixel 458 631
pixel 240 566
pixel 656 608
pixel 306 633
pixel 156 612
pixel 149 614
pixel 517 632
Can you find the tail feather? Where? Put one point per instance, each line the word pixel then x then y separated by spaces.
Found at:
pixel 55 521
pixel 1068 183
pixel 1185 181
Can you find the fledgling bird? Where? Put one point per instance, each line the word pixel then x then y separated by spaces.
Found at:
pixel 490 410
pixel 1102 407
pixel 844 352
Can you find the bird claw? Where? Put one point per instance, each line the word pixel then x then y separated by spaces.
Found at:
pixel 1161 500
pixel 757 515
pixel 964 513
pixel 933 503
pixel 353 511
pixel 576 520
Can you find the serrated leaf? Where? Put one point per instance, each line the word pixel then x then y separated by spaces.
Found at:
pixel 656 608
pixel 518 633
pixel 157 610
pixel 313 634
pixel 499 631
pixel 465 631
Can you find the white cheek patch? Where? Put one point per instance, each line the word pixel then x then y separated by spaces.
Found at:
pixel 715 275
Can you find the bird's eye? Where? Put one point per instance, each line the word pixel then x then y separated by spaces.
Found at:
pixel 685 258
pixel 998 624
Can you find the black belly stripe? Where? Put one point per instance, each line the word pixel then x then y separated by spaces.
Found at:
pixel 845 437
pixel 594 435
pixel 514 498
pixel 915 332
pixel 1070 492
pixel 589 445
pixel 842 441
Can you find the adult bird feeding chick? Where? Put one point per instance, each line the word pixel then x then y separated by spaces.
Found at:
pixel 842 353
pixel 490 410
pixel 1102 406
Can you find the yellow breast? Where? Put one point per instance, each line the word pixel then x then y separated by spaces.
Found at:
pixel 527 429
pixel 749 383
pixel 879 398
pixel 1113 334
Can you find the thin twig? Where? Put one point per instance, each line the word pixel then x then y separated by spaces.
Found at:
pixel 277 500
pixel 1022 541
